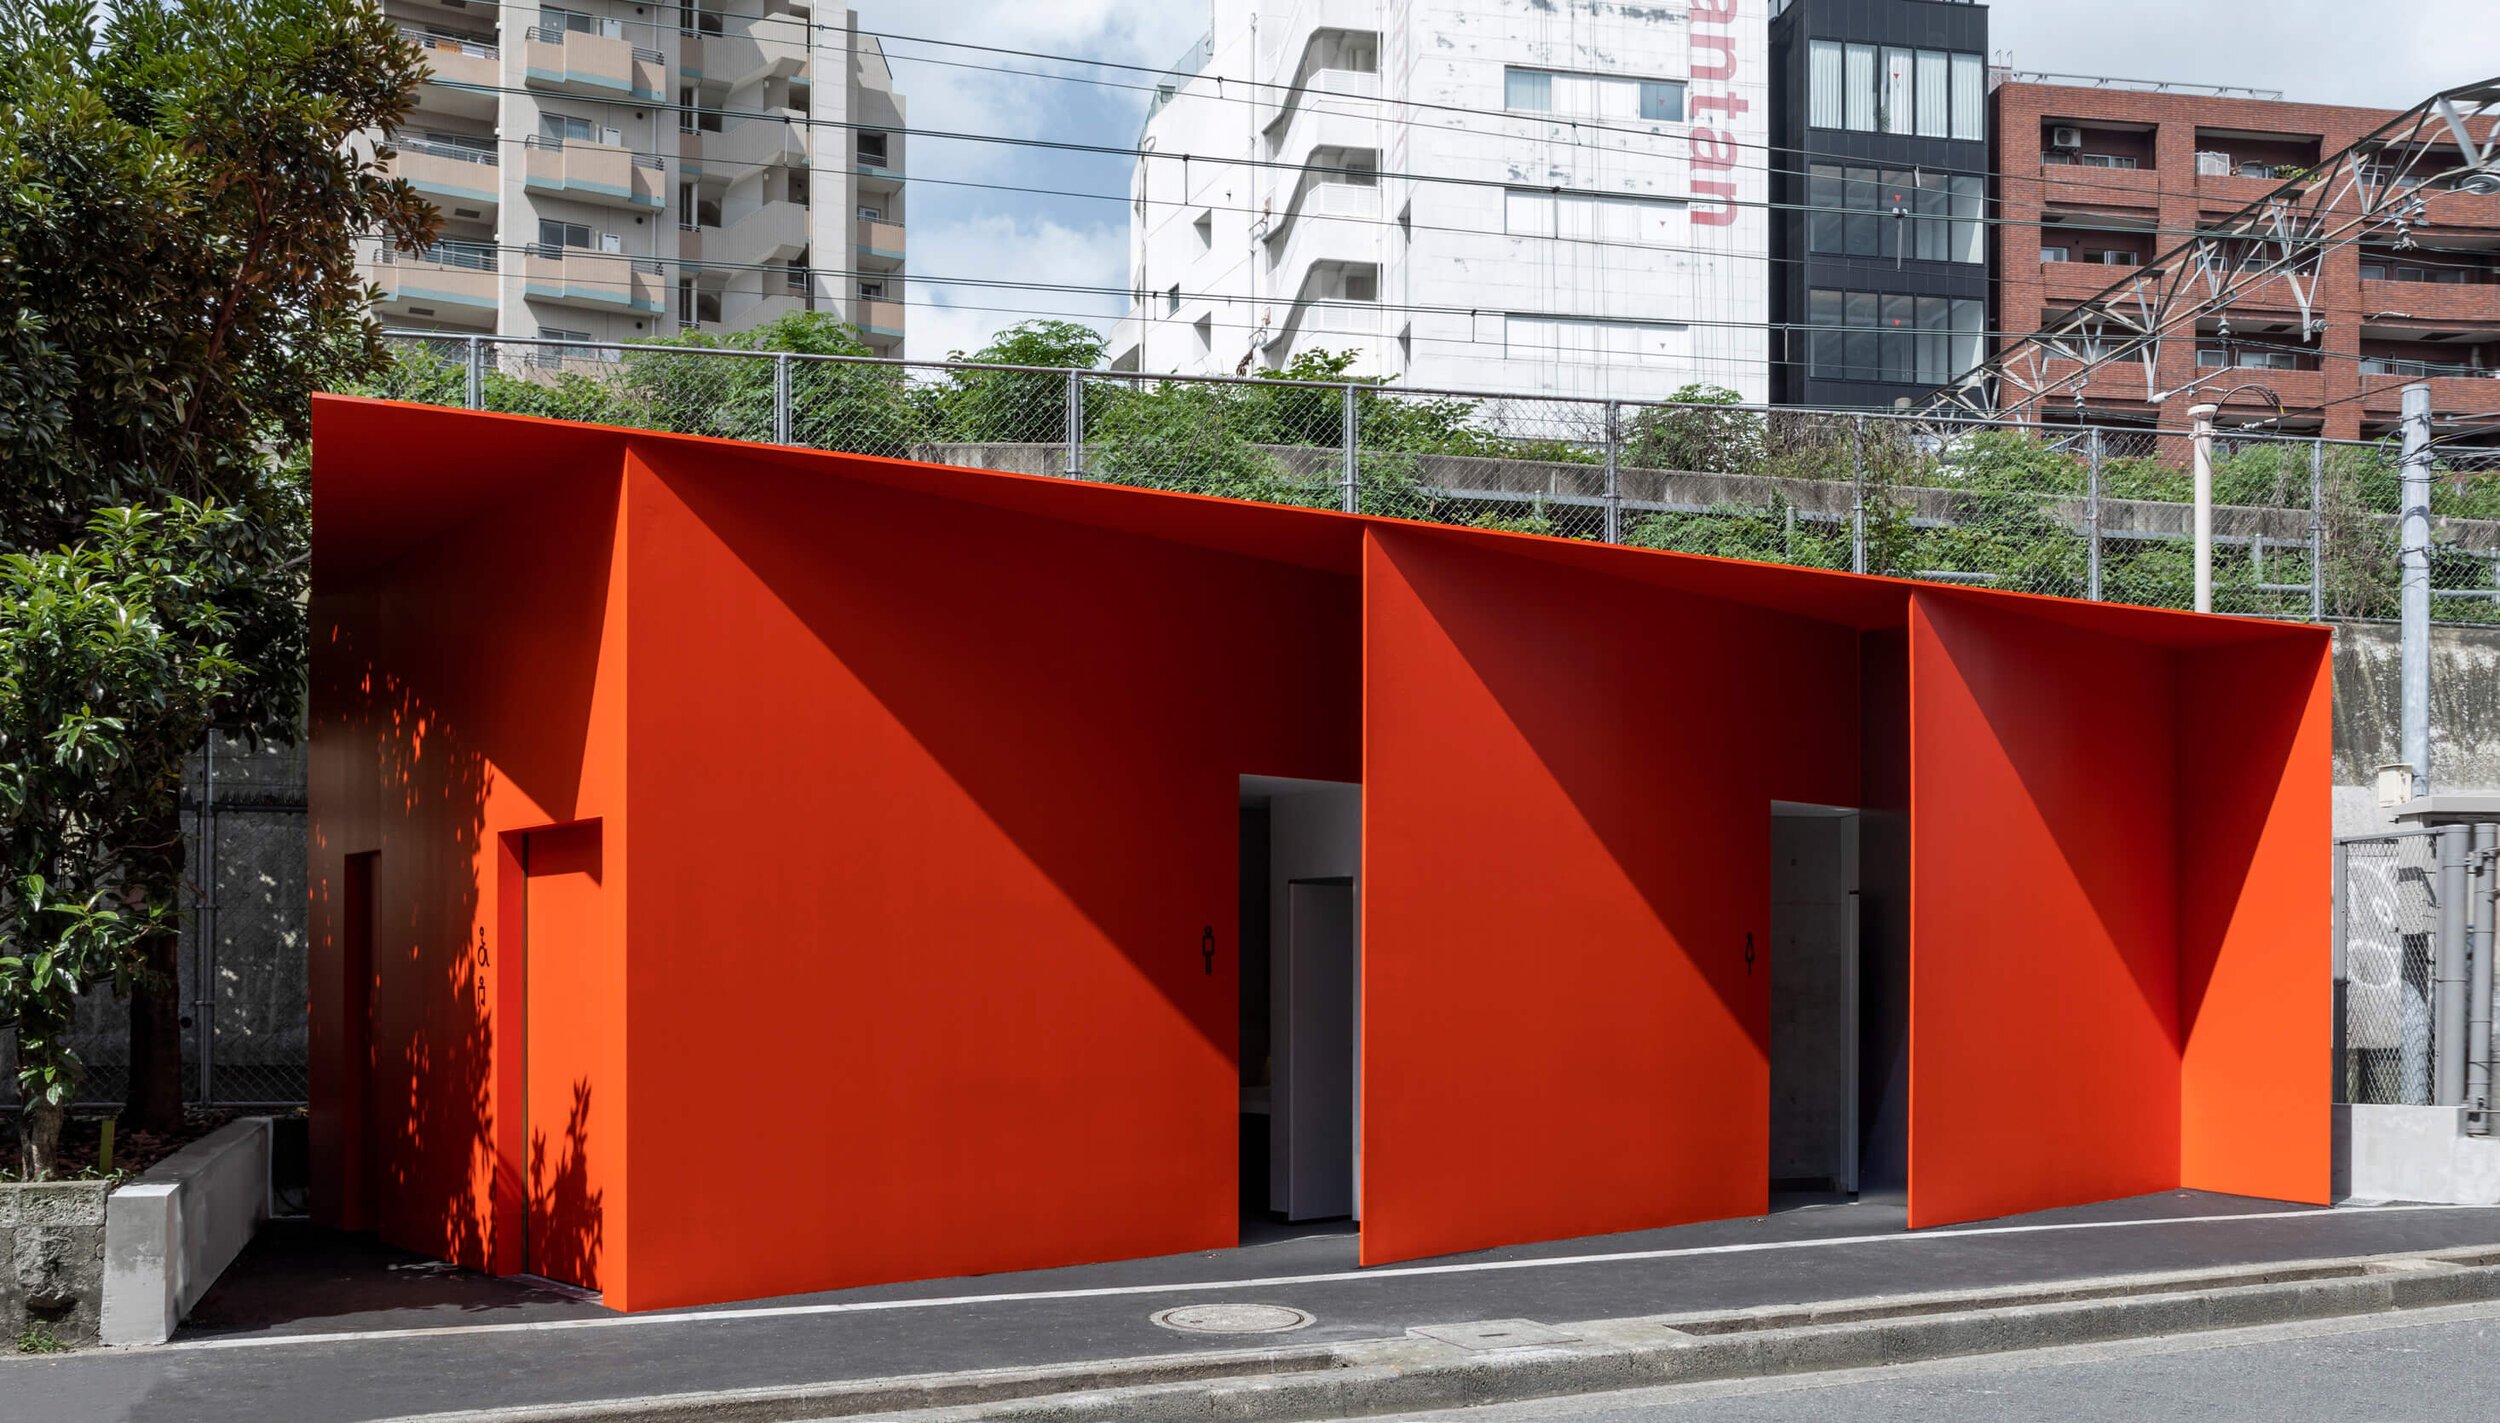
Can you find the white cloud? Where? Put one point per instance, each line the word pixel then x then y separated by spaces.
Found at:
pixel 953 317
pixel 2387 56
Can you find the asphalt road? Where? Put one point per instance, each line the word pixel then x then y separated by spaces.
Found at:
pixel 2421 1367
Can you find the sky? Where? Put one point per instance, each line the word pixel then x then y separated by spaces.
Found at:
pixel 963 221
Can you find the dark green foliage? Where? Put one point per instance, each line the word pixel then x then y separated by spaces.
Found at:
pixel 177 278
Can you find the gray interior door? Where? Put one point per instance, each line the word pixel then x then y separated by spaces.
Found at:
pixel 1316 1071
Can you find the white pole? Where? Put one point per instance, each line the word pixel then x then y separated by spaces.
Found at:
pixel 2413 562
pixel 2201 426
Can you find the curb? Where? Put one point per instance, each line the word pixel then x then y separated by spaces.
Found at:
pixel 1420 1372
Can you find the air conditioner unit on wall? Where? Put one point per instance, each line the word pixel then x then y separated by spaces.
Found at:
pixel 2065 136
pixel 2210 164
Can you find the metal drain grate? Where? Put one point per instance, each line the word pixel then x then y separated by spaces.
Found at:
pixel 1232 1318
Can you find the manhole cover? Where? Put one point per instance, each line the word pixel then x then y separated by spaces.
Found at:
pixel 1232 1318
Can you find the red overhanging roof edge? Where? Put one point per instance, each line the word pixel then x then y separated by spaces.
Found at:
pixel 390 476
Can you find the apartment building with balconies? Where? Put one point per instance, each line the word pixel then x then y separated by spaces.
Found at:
pixel 1474 194
pixel 2096 180
pixel 609 171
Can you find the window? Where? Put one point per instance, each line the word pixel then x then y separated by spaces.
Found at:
pixel 1898 79
pixel 1928 92
pixel 1859 88
pixel 554 236
pixel 1204 326
pixel 1896 213
pixel 685 110
pixel 2111 257
pixel 2054 254
pixel 1604 217
pixel 868 213
pixel 1587 340
pixel 872 291
pixel 1172 299
pixel 1204 227
pixel 564 127
pixel 2374 271
pixel 2257 170
pixel 1662 101
pixel 556 355
pixel 798 186
pixel 685 205
pixel 2106 160
pixel 872 149
pixel 1891 338
pixel 1823 83
pixel 1935 94
pixel 1362 284
pixel 1970 97
pixel 1592 96
pixel 1823 219
pixel 2212 357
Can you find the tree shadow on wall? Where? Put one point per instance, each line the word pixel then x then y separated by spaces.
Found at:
pixel 565 1213
pixel 427 1151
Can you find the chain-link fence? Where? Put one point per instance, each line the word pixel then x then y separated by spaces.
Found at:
pixel 2303 527
pixel 241 965
pixel 2387 904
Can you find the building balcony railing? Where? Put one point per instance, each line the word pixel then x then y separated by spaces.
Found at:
pixel 597 281
pixel 603 173
pixel 604 64
pixel 443 167
pixel 450 252
pixel 880 241
pixel 448 283
pixel 773 232
pixel 884 318
pixel 457 60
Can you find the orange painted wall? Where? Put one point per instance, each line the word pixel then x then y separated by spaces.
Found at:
pixel 2044 1005
pixel 948 794
pixel 1567 788
pixel 2119 958
pixel 2254 724
pixel 940 771
pixel 467 689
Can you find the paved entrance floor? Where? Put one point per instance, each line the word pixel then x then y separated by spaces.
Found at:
pixel 327 1329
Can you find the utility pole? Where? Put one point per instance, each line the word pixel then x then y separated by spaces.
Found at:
pixel 2201 433
pixel 2414 562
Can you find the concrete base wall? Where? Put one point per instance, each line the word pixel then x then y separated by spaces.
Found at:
pixel 52 1259
pixel 170 1233
pixel 2416 1154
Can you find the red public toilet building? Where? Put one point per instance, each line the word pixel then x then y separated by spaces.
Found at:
pixel 740 871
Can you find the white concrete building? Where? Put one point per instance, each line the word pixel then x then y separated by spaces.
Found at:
pixel 1534 195
pixel 609 170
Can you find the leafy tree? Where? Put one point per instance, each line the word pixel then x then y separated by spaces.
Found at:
pixel 1017 407
pixel 177 277
pixel 1703 429
pixel 114 648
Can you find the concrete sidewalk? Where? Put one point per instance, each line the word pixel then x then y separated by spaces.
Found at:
pixel 319 1328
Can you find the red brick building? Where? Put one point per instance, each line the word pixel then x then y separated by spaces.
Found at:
pixel 2093 180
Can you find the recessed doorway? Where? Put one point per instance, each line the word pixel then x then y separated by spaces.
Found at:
pixel 1301 1000
pixel 1816 989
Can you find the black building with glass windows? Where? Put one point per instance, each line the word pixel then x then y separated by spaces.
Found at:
pixel 1880 246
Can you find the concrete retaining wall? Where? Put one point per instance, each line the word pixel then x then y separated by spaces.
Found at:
pixel 2417 1154
pixel 171 1232
pixel 52 1259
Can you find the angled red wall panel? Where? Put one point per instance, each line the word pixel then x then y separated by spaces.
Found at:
pixel 471 688
pixel 2254 723
pixel 2043 940
pixel 949 796
pixel 1567 788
